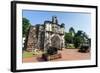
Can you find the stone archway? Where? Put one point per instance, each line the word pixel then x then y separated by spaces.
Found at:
pixel 55 41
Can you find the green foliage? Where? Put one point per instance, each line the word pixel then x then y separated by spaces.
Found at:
pixel 78 40
pixel 63 25
pixel 75 38
pixel 68 38
pixel 70 35
pixel 71 30
pixel 26 25
pixel 79 33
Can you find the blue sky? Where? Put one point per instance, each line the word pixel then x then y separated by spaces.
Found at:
pixel 79 21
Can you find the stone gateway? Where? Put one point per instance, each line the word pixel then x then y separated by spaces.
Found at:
pixel 41 36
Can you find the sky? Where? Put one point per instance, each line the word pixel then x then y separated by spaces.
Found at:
pixel 79 21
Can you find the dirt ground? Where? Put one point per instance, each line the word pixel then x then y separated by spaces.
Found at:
pixel 67 54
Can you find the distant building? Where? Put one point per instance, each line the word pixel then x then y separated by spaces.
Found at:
pixel 41 36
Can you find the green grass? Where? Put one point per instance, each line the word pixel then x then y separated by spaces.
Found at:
pixel 30 54
pixel 27 54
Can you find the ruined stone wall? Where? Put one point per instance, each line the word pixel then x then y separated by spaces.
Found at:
pixel 42 36
pixel 32 39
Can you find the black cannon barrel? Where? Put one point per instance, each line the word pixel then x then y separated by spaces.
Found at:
pixel 52 50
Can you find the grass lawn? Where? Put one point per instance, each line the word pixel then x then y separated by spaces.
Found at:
pixel 30 54
pixel 27 54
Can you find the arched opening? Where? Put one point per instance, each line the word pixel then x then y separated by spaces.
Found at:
pixel 55 42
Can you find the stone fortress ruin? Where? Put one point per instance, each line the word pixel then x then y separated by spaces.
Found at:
pixel 41 36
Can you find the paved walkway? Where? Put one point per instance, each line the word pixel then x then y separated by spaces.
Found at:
pixel 67 54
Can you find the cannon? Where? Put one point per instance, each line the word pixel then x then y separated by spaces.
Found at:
pixel 84 48
pixel 51 54
pixel 52 50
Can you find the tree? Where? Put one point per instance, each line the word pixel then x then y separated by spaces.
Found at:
pixel 72 31
pixel 68 37
pixel 72 34
pixel 85 35
pixel 63 25
pixel 80 38
pixel 79 33
pixel 26 25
